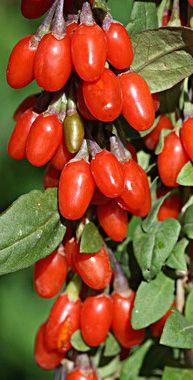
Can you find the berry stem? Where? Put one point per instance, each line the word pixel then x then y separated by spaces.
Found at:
pixel 86 16
pixel 44 26
pixel 118 149
pixel 59 23
pixel 94 148
pixel 120 282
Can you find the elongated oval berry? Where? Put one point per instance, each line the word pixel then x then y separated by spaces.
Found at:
pixel 171 160
pixel 103 97
pixel 50 273
pixel 51 177
pixel 83 109
pixel 44 358
pixel 27 103
pixel 81 374
pixel 89 51
pixel 53 63
pixel 152 138
pixel 138 108
pixel 136 196
pixel 119 46
pixel 73 132
pixel 113 220
pixel 171 207
pixel 157 327
pixel 18 139
pixel 44 139
pixel 20 69
pixel 186 134
pixel 121 324
pixel 96 319
pixel 71 249
pixel 35 8
pixel 61 157
pixel 107 173
pixel 63 321
pixel 76 188
pixel 94 269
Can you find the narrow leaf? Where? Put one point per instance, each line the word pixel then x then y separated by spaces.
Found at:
pixel 112 347
pixel 143 159
pixel 177 332
pixel 143 17
pixel 152 301
pixel 185 177
pixel 78 342
pixel 109 369
pixel 188 222
pixel 177 374
pixel 29 230
pixel 131 366
pixel 189 307
pixel 177 258
pixel 160 144
pixel 152 216
pixel 91 240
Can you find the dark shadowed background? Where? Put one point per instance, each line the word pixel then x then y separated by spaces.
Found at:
pixel 21 311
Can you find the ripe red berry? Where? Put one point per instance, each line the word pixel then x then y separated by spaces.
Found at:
pixel 71 249
pixel 107 173
pixel 53 63
pixel 61 157
pixel 103 97
pixel 99 198
pixel 96 319
pixel 76 188
pixel 63 321
pixel 121 325
pixel 186 134
pixel 132 150
pixel 44 358
pixel 35 8
pixel 20 69
pixel 50 274
pixel 71 28
pixel 43 140
pixel 119 46
pixel 89 51
pixel 152 138
pixel 136 197
pixel 94 269
pixel 171 207
pixel 113 220
pixel 51 177
pixel 83 109
pixel 24 106
pixel 80 374
pixel 171 160
pixel 138 108
pixel 18 139
pixel 157 327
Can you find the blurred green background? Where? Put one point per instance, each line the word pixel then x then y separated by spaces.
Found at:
pixel 21 311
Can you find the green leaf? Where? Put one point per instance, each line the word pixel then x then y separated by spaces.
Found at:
pixel 177 258
pixel 91 240
pixel 109 369
pixel 152 248
pixel 101 4
pixel 78 343
pixel 131 366
pixel 143 17
pixel 145 133
pixel 177 332
pixel 143 159
pixel 152 216
pixel 152 301
pixel 29 230
pixel 169 99
pixel 112 347
pixel 188 222
pixel 160 145
pixel 189 307
pixel 133 223
pixel 121 12
pixel 177 374
pixel 185 177
pixel 164 57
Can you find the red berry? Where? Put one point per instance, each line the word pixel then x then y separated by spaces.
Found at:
pixel 89 51
pixel 186 134
pixel 113 220
pixel 171 207
pixel 76 188
pixel 96 319
pixel 138 108
pixel 61 157
pixel 156 101
pixel 103 97
pixel 121 325
pixel 71 249
pixel 119 46
pixel 132 150
pixel 35 8
pixel 44 358
pixel 63 321
pixel 50 274
pixel 190 2
pixel 80 374
pixel 20 69
pixel 18 139
pixel 51 177
pixel 107 173
pixel 24 106
pixel 53 63
pixel 171 160
pixel 151 139
pixel 43 140
pixel 157 327
pixel 83 109
pixel 94 269
pixel 136 197
pixel 71 28
pixel 99 198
